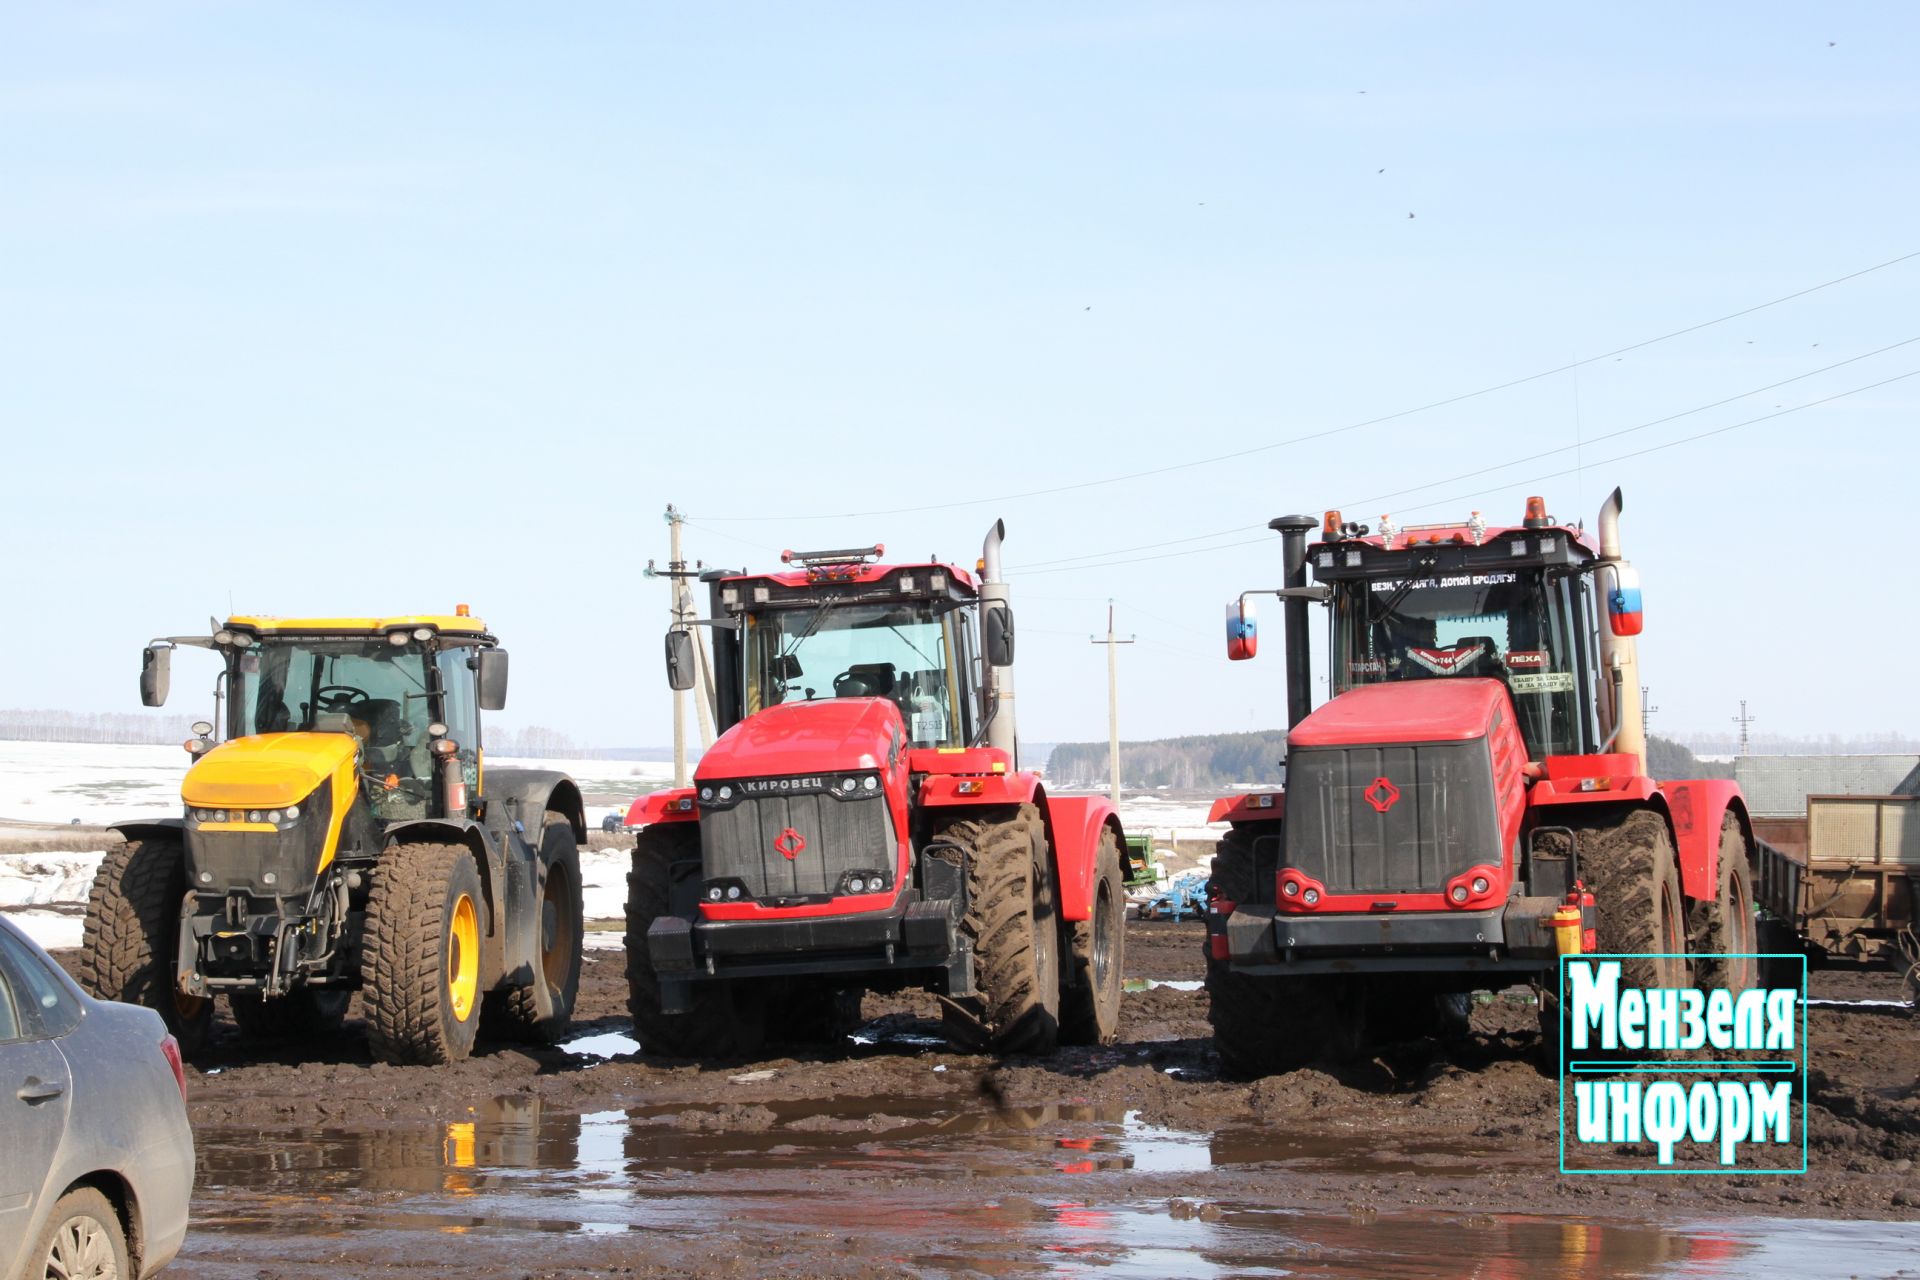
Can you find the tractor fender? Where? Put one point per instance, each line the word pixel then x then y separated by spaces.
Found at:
pixel 673 805
pixel 1074 827
pixel 1695 811
pixel 528 795
pixel 1249 806
pixel 943 790
pixel 140 828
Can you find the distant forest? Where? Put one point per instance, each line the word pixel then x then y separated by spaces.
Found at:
pixel 160 729
pixel 1210 760
pixel 1225 759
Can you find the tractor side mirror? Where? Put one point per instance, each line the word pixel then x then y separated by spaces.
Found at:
pixel 1623 601
pixel 493 679
pixel 1243 630
pixel 787 667
pixel 156 666
pixel 680 660
pixel 998 627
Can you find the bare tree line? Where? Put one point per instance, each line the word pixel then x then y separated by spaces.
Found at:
pixel 128 727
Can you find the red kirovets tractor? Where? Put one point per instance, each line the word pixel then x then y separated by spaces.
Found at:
pixel 1478 775
pixel 862 823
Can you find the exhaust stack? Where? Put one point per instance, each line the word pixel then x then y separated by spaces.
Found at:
pixel 1625 727
pixel 1293 563
pixel 1001 729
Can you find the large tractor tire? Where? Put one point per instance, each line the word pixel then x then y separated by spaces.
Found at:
pixel 303 1014
pixel 1628 863
pixel 514 1014
pixel 420 967
pixel 1725 927
pixel 1097 955
pixel 1263 1025
pixel 727 1020
pixel 1011 923
pixel 132 934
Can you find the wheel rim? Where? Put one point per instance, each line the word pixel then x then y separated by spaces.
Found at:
pixel 185 1007
pixel 463 957
pixel 82 1250
pixel 556 927
pixel 1102 936
pixel 1671 943
pixel 1741 935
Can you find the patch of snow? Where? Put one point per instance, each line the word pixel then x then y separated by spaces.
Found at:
pixel 47 879
pixel 605 1044
pixel 53 930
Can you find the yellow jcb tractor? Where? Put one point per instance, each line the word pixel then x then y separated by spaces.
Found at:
pixel 346 835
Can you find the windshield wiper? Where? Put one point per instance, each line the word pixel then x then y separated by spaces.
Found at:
pixel 911 645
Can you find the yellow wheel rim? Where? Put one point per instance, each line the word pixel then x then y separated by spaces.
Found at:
pixel 463 957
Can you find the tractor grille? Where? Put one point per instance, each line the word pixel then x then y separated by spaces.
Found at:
pixel 834 837
pixel 1432 820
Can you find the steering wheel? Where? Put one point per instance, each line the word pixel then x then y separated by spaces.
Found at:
pixel 345 697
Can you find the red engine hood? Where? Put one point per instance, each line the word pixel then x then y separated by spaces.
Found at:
pixel 808 737
pixel 1449 710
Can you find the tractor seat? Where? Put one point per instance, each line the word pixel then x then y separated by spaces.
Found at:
pixel 865 680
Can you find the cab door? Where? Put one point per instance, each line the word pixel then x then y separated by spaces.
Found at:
pixel 36 1090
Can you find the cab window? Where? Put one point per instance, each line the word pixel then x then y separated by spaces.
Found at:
pixel 460 707
pixel 33 1001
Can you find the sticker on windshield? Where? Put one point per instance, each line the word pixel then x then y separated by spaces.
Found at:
pixel 1541 682
pixel 1366 666
pixel 1447 662
pixel 1528 660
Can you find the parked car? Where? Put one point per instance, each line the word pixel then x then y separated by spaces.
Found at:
pixel 614 822
pixel 98 1157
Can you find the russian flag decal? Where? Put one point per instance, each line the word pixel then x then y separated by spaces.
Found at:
pixel 1623 609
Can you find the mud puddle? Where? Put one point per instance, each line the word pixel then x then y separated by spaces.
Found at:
pixel 900 1185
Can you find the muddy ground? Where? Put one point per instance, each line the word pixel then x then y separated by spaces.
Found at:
pixel 890 1155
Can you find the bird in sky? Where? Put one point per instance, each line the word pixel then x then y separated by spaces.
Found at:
pixel 1409 215
pixel 1379 170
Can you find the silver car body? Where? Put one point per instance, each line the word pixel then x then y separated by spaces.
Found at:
pixel 95 1102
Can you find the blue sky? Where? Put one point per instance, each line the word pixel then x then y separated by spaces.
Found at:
pixel 371 308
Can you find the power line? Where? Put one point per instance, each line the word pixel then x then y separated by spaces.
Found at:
pixel 1042 565
pixel 1352 426
pixel 1551 475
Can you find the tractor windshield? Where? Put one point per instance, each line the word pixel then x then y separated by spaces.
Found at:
pixel 905 652
pixel 367 687
pixel 1518 627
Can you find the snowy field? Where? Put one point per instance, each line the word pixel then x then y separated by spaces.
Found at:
pixel 56 784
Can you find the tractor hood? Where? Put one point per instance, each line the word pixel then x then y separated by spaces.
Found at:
pixel 269 771
pixel 831 734
pixel 1407 711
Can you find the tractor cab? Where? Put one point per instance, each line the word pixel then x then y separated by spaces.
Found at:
pixel 406 692
pixel 839 626
pixel 1464 602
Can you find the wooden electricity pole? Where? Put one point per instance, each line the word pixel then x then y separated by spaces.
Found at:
pixel 683 612
pixel 1113 704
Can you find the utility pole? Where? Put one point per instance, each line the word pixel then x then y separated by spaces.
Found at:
pixel 1743 720
pixel 1113 704
pixel 683 612
pixel 1646 707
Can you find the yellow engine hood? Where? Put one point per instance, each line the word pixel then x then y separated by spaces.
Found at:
pixel 268 771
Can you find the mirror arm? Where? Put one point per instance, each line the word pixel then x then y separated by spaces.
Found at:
pixel 1318 592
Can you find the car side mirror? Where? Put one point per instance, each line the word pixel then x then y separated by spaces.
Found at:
pixel 998 629
pixel 493 679
pixel 680 660
pixel 156 666
pixel 1243 630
